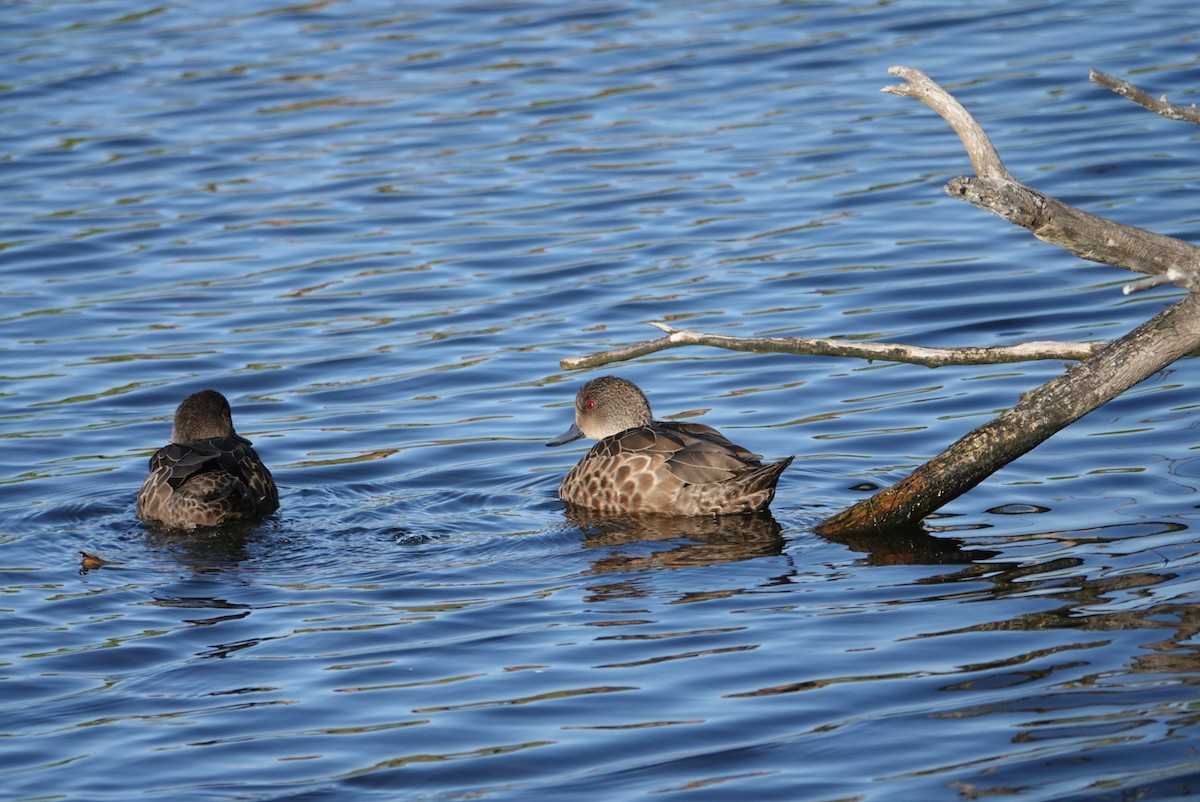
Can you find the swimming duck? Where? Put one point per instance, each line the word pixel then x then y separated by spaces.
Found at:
pixel 644 465
pixel 208 474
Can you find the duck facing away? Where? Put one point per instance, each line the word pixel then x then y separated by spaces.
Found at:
pixel 208 474
pixel 644 465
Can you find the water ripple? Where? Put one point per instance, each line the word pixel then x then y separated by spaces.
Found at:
pixel 377 229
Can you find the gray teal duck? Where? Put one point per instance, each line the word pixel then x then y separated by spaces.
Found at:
pixel 641 465
pixel 208 474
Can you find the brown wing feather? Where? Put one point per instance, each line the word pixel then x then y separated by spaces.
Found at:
pixel 705 456
pixel 708 434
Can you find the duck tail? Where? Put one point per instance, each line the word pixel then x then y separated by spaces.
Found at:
pixel 761 482
pixel 770 473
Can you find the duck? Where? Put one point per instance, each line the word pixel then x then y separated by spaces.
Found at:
pixel 208 475
pixel 640 465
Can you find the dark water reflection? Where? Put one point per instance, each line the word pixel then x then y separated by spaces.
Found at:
pixel 377 228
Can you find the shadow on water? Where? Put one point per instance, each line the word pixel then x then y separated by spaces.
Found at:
pixel 911 546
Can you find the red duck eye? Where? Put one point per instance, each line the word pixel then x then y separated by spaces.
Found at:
pixel 589 404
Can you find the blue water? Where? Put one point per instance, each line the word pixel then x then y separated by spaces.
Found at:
pixel 378 227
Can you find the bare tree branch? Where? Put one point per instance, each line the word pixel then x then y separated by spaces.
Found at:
pixel 1172 111
pixel 984 157
pixel 1119 365
pixel 1087 236
pixel 1166 259
pixel 883 352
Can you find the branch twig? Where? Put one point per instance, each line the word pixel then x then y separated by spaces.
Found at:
pixel 1187 279
pixel 920 86
pixel 883 352
pixel 1172 111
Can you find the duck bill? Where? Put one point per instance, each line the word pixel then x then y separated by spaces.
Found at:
pixel 568 436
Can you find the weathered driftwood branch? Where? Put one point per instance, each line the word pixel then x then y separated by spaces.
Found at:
pixel 883 352
pixel 1040 413
pixel 1172 111
pixel 1166 259
pixel 1085 235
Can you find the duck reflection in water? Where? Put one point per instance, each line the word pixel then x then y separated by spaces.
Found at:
pixel 641 465
pixel 207 549
pixel 688 541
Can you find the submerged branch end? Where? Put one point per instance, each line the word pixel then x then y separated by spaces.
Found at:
pixel 1117 366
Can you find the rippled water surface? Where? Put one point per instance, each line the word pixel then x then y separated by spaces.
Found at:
pixel 377 227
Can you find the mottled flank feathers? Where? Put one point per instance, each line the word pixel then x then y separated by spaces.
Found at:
pixel 641 465
pixel 208 475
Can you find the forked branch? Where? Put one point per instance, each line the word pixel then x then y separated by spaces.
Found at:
pixel 1088 236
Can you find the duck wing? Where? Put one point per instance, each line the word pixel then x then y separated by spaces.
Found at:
pixel 179 463
pixel 693 453
pixel 706 456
